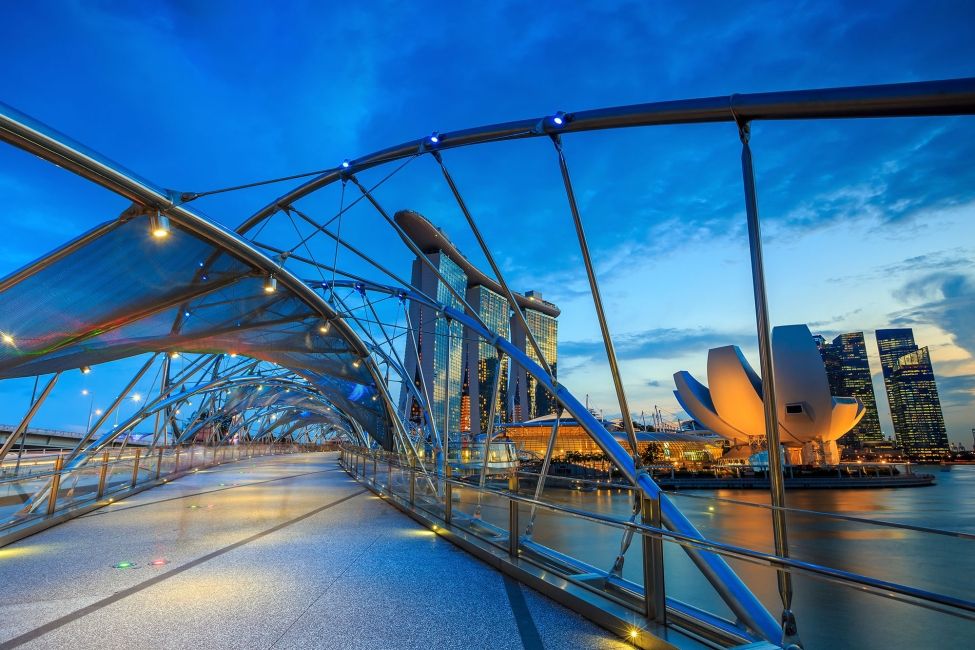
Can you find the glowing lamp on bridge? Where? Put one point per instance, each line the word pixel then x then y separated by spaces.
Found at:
pixel 808 415
pixel 159 226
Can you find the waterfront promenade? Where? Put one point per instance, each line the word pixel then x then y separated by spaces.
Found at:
pixel 279 552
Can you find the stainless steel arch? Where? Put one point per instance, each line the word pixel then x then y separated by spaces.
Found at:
pixel 30 135
pixel 925 98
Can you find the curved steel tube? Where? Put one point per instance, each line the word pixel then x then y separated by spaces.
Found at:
pixel 915 99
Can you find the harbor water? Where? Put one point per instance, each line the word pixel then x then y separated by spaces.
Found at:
pixel 830 615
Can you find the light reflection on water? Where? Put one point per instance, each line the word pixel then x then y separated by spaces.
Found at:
pixel 829 615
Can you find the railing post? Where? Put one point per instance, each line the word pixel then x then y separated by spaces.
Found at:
pixel 159 463
pixel 374 480
pixel 654 594
pixel 176 464
pixel 52 499
pixel 389 475
pixel 102 474
pixel 412 481
pixel 135 467
pixel 448 495
pixel 513 525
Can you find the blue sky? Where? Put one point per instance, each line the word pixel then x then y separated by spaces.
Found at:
pixel 868 224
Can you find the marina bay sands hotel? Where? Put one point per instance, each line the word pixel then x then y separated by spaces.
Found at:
pixel 456 368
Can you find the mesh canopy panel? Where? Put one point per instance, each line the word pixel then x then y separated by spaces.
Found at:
pixel 125 293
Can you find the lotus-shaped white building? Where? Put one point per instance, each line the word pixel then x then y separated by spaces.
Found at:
pixel 810 418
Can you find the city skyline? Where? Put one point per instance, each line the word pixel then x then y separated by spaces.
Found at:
pixel 451 363
pixel 873 219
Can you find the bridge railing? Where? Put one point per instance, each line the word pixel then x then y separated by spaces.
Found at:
pixel 45 491
pixel 556 536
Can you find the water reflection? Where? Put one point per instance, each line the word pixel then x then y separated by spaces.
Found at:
pixel 828 614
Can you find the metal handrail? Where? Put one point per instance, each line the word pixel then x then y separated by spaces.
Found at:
pixel 151 465
pixel 766 506
pixel 920 597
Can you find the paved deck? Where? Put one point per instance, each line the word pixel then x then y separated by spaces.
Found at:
pixel 284 552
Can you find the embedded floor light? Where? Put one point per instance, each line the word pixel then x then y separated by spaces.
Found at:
pixel 270 284
pixel 159 225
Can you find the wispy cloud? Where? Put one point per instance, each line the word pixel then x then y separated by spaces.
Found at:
pixel 657 343
pixel 948 299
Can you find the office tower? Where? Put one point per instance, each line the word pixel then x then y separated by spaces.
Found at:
pixel 848 373
pixel 912 393
pixel 540 315
pixel 482 359
pixel 473 362
pixel 440 343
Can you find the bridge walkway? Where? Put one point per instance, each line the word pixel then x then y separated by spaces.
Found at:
pixel 279 552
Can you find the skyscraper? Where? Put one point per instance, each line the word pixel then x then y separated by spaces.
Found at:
pixel 473 362
pixel 912 393
pixel 848 373
pixel 440 343
pixel 534 400
pixel 482 359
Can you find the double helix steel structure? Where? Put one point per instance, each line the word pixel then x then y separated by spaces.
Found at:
pixel 280 349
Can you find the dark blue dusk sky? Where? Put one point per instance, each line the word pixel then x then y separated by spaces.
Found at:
pixel 868 224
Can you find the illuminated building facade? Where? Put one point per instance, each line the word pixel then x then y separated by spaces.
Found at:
pixel 848 373
pixel 440 342
pixel 532 398
pixel 482 359
pixel 473 362
pixel 912 393
pixel 573 444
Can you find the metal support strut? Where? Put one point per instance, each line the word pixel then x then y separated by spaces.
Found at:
pixel 790 634
pixel 598 304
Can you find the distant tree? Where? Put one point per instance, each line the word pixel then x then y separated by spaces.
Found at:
pixel 649 455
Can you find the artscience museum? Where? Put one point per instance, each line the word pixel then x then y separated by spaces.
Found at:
pixel 810 418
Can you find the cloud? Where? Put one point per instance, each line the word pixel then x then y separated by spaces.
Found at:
pixel 657 343
pixel 957 390
pixel 949 303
